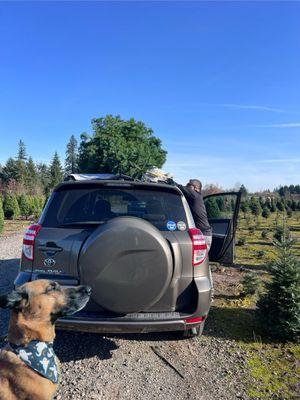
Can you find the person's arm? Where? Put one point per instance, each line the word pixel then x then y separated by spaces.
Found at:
pixel 184 189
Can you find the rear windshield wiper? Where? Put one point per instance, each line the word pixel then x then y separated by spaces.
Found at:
pixel 83 223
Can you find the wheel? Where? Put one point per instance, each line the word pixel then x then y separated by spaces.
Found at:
pixel 193 332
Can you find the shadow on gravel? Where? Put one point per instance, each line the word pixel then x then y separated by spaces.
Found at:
pixel 149 337
pixel 73 346
pixel 8 272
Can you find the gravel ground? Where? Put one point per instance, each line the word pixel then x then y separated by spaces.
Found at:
pixel 126 367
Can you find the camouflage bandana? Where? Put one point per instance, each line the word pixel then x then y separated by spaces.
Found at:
pixel 40 357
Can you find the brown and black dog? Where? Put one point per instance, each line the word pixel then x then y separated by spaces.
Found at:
pixel 35 307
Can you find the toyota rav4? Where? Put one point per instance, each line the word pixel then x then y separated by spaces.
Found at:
pixel 137 246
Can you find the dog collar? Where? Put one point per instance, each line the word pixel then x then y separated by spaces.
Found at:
pixel 40 357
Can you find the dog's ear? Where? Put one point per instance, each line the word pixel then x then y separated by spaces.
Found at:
pixel 12 299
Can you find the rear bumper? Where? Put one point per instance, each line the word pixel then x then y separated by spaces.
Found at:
pixel 108 326
pixel 85 321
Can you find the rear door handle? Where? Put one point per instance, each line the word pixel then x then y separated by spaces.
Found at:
pixel 50 249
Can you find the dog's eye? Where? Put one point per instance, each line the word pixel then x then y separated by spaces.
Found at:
pixel 54 286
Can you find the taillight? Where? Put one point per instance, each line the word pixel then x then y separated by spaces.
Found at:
pixel 194 320
pixel 199 246
pixel 28 240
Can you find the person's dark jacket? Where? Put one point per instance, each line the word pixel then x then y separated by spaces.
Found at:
pixel 197 206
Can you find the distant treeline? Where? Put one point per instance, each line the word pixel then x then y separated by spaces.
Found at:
pixel 286 191
pixel 22 176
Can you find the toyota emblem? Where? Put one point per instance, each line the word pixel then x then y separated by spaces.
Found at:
pixel 49 262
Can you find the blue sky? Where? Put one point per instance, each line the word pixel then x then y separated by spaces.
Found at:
pixel 219 82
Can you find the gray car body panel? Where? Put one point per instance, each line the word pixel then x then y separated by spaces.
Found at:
pixel 188 289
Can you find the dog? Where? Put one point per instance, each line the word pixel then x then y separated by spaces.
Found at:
pixel 29 368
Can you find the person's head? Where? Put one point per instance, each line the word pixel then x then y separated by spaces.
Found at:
pixel 195 184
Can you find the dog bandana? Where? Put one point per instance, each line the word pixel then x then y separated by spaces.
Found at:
pixel 40 357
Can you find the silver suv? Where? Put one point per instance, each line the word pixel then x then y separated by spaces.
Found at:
pixel 136 245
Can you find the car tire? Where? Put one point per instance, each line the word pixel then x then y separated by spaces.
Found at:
pixel 193 332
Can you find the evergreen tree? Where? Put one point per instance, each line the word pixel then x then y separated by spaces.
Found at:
pixel 1 215
pixel 22 156
pixel 273 206
pixel 261 201
pixel 56 171
pixel 280 205
pixel 24 205
pixel 279 307
pixel 212 208
pixel 11 206
pixel 294 205
pixel 120 146
pixel 21 162
pixel 31 178
pixel 255 206
pixel 244 191
pixel 265 212
pixel 245 207
pixel 9 171
pixel 71 161
pixel 44 178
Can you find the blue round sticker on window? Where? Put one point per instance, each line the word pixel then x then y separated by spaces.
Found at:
pixel 171 225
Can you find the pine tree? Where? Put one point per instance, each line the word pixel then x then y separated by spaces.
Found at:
pixel 279 308
pixel 22 156
pixel 1 215
pixel 273 206
pixel 280 205
pixel 56 171
pixel 31 178
pixel 212 208
pixel 21 162
pixel 11 206
pixel 24 205
pixel 265 212
pixel 71 161
pixel 10 171
pixel 44 178
pixel 255 206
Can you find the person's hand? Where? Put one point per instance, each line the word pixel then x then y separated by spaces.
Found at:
pixel 170 182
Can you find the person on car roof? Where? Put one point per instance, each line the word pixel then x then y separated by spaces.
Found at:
pixel 192 193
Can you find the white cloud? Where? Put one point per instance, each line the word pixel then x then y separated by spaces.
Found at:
pixel 283 125
pixel 280 160
pixel 250 107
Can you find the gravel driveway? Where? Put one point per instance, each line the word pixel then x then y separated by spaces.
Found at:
pixel 126 367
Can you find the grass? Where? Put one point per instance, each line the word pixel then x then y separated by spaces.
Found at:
pixel 274 367
pixel 258 251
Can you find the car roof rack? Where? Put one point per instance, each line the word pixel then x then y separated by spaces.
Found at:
pixel 98 177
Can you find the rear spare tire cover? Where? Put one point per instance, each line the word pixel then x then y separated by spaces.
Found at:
pixel 128 264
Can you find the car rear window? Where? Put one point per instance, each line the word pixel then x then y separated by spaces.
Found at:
pixel 164 210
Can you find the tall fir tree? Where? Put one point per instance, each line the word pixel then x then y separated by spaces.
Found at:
pixel 9 171
pixel 21 162
pixel 56 171
pixel 71 161
pixel 22 156
pixel 44 178
pixel 31 178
